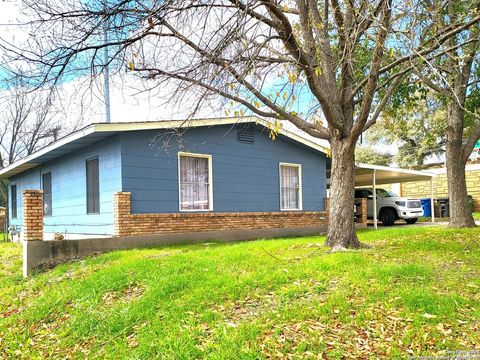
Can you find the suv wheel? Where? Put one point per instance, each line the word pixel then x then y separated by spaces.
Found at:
pixel 411 221
pixel 387 217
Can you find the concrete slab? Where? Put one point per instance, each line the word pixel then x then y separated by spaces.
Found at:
pixel 404 224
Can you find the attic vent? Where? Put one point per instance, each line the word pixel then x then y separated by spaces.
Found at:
pixel 246 133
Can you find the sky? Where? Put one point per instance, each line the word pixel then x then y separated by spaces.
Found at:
pixel 84 98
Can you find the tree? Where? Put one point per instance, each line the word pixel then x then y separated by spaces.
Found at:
pixel 416 123
pixel 369 155
pixel 265 56
pixel 454 77
pixel 29 121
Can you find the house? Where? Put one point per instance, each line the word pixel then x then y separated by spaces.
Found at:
pixel 123 179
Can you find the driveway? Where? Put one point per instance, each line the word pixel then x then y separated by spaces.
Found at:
pixel 401 223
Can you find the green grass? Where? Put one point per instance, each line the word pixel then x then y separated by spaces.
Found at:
pixel 437 219
pixel 416 291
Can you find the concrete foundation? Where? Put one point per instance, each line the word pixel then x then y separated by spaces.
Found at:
pixel 41 254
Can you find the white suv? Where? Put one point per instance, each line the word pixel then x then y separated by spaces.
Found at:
pixel 391 207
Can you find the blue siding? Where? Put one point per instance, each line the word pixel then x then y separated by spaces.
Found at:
pixel 245 175
pixel 69 190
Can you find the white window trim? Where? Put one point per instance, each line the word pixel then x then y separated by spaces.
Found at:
pixel 300 197
pixel 210 181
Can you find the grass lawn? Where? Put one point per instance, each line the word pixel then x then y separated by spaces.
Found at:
pixel 417 291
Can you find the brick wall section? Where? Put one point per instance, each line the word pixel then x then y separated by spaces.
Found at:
pixel 32 215
pixel 3 216
pixel 422 188
pixel 364 210
pixel 127 224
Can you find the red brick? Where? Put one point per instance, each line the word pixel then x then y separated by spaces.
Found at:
pixel 142 224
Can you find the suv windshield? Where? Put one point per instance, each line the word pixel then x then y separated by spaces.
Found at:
pixel 385 193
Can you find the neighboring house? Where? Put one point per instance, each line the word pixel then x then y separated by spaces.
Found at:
pixel 172 176
pixel 421 189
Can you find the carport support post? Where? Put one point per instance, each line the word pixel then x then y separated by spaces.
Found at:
pixel 431 199
pixel 374 178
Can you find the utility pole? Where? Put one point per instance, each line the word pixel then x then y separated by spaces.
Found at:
pixel 106 71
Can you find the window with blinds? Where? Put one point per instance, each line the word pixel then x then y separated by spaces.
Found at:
pixel 13 194
pixel 93 187
pixel 195 182
pixel 290 187
pixel 47 193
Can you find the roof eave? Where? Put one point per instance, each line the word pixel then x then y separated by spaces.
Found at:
pixel 29 161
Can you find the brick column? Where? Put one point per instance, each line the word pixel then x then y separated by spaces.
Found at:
pixel 327 204
pixel 364 211
pixel 361 211
pixel 121 213
pixel 32 215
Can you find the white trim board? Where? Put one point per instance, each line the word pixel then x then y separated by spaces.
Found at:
pixel 300 194
pixel 210 181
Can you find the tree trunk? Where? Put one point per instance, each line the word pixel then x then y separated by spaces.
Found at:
pixel 341 222
pixel 460 215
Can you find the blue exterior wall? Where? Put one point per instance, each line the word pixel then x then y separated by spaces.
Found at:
pixel 245 175
pixel 69 209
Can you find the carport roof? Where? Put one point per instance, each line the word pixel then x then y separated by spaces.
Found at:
pixel 387 175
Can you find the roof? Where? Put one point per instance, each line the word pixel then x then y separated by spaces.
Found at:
pixel 99 131
pixel 387 174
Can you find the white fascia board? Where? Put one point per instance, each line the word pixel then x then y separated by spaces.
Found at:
pixel 30 158
pixel 392 169
pixel 170 124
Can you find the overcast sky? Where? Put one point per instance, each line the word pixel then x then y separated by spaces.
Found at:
pixel 83 97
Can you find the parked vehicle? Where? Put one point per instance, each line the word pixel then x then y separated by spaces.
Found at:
pixel 391 207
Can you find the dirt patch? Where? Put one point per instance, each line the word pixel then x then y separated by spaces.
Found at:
pixel 10 312
pixel 159 256
pixel 131 292
pixel 257 305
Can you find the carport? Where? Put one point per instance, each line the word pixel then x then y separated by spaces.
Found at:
pixel 373 175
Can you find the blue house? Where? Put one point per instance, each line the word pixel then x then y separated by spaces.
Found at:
pixel 172 176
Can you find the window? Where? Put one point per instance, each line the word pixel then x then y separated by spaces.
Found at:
pixel 47 193
pixel 386 193
pixel 290 186
pixel 13 194
pixel 93 190
pixel 195 182
pixel 362 194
